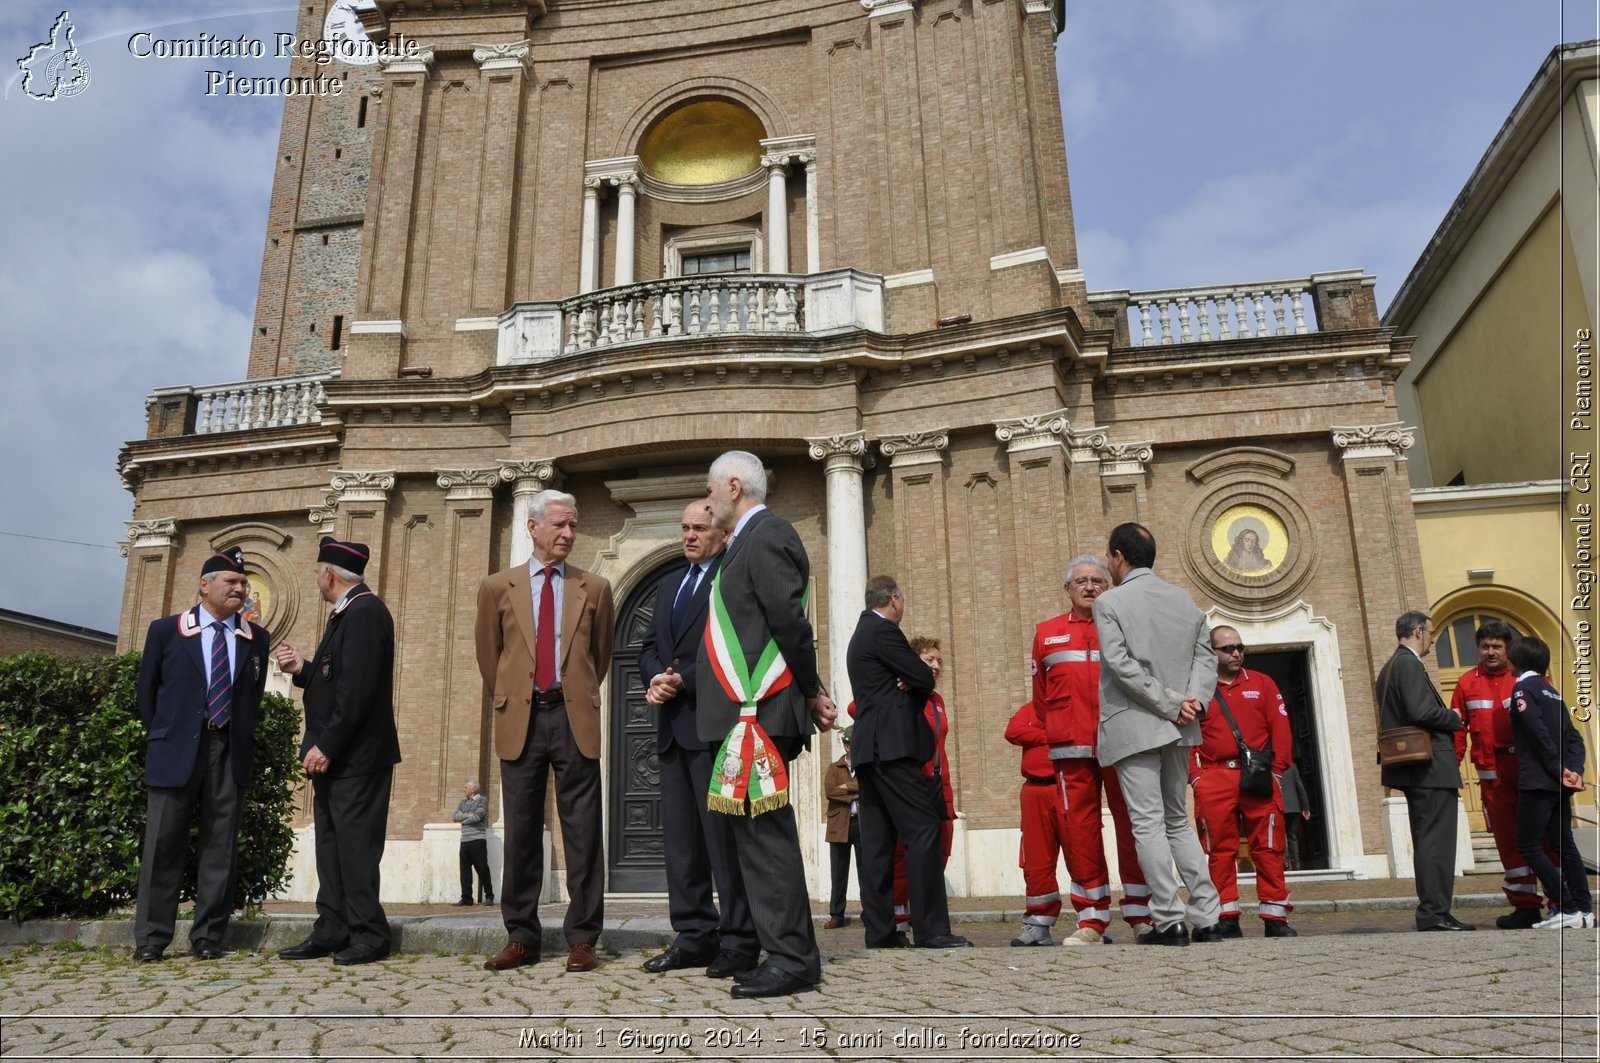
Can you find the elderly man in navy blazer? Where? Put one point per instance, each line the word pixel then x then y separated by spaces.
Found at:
pixel 200 685
pixel 723 943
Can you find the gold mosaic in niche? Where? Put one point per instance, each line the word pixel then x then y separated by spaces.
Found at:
pixel 705 142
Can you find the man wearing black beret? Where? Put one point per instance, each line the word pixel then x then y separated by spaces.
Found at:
pixel 349 750
pixel 200 685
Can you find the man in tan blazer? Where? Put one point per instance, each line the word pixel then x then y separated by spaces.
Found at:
pixel 544 636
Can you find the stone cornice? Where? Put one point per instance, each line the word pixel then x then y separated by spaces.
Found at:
pixel 1373 440
pixel 462 485
pixel 915 448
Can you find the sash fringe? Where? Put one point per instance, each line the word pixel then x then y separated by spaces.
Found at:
pixel 769 803
pixel 728 805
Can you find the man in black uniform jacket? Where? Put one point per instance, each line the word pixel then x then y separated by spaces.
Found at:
pixel 200 684
pixel 349 750
pixel 890 744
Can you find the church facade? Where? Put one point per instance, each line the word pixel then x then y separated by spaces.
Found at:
pixel 591 245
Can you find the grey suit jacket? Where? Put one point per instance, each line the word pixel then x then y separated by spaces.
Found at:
pixel 1408 698
pixel 765 574
pixel 1154 652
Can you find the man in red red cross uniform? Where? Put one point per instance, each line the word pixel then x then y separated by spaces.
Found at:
pixel 1483 698
pixel 1066 696
pixel 1044 828
pixel 1221 809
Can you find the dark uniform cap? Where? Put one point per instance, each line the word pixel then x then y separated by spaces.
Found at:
pixel 349 556
pixel 230 560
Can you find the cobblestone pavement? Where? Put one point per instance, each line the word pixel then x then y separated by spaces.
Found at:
pixel 1336 991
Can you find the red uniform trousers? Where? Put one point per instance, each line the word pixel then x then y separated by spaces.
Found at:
pixel 1044 838
pixel 1221 810
pixel 1520 885
pixel 1082 779
pixel 902 886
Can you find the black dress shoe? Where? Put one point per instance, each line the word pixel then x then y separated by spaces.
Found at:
pixel 1519 919
pixel 1279 928
pixel 1230 926
pixel 309 949
pixel 1209 934
pixel 1449 922
pixel 361 954
pixel 675 959
pixel 1176 934
pixel 464 902
pixel 771 982
pixel 206 950
pixel 148 954
pixel 945 941
pixel 730 963
pixel 487 900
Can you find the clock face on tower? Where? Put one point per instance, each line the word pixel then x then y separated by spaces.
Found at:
pixel 346 36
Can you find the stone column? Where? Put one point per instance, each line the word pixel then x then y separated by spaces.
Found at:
pixel 527 478
pixel 627 186
pixel 777 213
pixel 1122 476
pixel 589 254
pixel 813 226
pixel 147 585
pixel 916 462
pixel 390 214
pixel 847 548
pixel 1036 451
pixel 461 725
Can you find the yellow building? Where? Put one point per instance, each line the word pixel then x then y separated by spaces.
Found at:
pixel 1502 305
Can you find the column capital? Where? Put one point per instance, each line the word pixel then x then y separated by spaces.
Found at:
pixel 915 448
pixel 622 170
pixel 354 486
pixel 1374 440
pixel 880 8
pixel 462 485
pixel 1125 459
pixel 781 151
pixel 501 56
pixel 530 476
pixel 158 533
pixel 840 452
pixel 1085 444
pixel 406 62
pixel 1034 433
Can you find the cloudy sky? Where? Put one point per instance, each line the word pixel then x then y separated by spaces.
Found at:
pixel 1209 141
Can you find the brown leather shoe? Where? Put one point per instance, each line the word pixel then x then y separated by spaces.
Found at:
pixel 515 954
pixel 582 958
pixel 835 923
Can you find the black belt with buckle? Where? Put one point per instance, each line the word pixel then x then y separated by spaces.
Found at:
pixel 549 698
pixel 213 727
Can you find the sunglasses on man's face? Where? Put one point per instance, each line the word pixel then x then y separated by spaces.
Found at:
pixel 1235 647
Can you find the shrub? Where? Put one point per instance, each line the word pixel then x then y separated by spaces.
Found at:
pixel 72 820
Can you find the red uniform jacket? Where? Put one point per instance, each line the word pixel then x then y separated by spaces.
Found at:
pixel 1066 683
pixel 1026 731
pixel 1484 701
pixel 1259 711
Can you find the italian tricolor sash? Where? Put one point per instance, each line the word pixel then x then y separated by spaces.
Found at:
pixel 746 765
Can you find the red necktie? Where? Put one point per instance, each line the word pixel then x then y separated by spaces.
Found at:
pixel 544 663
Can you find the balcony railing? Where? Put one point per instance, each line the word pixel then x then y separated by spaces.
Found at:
pixel 1204 315
pixel 744 304
pixel 271 402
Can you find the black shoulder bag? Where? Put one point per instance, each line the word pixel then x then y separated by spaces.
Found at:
pixel 1255 765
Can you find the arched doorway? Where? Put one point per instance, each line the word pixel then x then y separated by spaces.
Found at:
pixel 633 830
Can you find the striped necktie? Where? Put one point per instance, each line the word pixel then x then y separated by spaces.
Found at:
pixel 219 695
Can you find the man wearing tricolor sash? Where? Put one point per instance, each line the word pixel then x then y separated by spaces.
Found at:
pixel 758 701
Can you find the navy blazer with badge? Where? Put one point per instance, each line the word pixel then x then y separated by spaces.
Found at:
pixel 173 679
pixel 349 688
pixel 675 721
pixel 1545 738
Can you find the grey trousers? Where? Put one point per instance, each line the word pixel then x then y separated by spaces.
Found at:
pixel 1155 785
pixel 169 811
pixel 1433 850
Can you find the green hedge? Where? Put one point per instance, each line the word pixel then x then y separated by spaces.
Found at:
pixel 72 818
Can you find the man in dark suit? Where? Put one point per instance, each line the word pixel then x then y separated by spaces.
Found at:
pixel 692 845
pixel 543 635
pixel 760 599
pixel 350 749
pixel 1408 698
pixel 200 684
pixel 890 744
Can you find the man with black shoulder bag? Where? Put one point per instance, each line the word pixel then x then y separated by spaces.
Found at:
pixel 1245 745
pixel 1410 711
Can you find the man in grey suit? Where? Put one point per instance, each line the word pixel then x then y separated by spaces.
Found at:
pixel 1157 672
pixel 759 598
pixel 1407 698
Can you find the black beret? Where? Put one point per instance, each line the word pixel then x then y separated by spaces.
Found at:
pixel 229 560
pixel 352 557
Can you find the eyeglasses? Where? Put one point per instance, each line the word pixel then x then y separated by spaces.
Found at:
pixel 1237 647
pixel 1086 581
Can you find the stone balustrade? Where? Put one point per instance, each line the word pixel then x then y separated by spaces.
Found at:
pixel 268 402
pixel 745 304
pixel 1205 315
